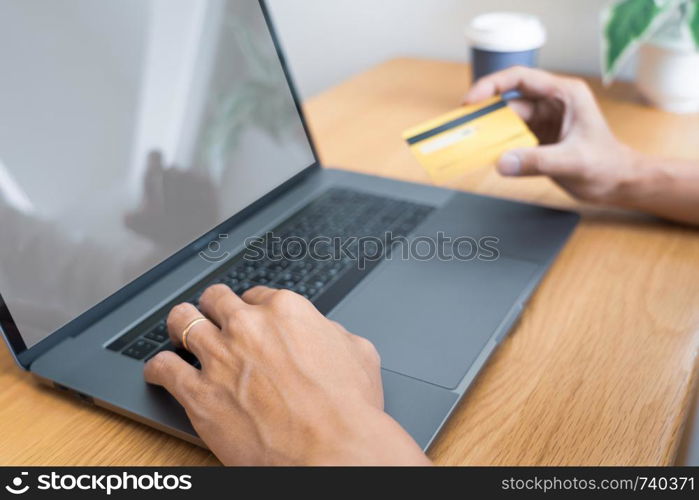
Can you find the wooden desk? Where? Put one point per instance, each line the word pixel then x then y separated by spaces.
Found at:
pixel 600 370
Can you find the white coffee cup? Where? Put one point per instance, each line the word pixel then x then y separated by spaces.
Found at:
pixel 499 40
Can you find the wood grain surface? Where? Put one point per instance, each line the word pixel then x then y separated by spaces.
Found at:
pixel 600 370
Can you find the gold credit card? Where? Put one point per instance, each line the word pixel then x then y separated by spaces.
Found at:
pixel 468 138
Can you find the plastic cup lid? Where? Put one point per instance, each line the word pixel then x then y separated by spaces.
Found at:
pixel 506 32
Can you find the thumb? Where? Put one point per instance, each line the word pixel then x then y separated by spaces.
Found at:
pixel 542 160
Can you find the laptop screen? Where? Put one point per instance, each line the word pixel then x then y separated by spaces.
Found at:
pixel 127 131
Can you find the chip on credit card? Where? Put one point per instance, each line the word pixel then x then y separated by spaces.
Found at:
pixel 468 138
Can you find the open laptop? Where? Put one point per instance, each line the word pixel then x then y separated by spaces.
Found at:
pixel 149 149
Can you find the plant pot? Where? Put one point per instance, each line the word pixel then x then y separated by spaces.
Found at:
pixel 668 72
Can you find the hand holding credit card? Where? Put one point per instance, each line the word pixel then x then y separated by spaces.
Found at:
pixel 468 138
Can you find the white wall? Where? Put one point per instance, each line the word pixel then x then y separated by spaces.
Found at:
pixel 328 40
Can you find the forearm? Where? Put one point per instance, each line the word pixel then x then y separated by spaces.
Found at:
pixel 662 187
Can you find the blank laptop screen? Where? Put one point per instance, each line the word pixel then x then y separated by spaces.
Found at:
pixel 128 130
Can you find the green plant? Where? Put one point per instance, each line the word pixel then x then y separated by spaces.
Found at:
pixel 260 99
pixel 693 20
pixel 628 23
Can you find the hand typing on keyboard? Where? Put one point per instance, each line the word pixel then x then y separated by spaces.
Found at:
pixel 279 383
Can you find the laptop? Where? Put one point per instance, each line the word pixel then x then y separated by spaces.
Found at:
pixel 151 149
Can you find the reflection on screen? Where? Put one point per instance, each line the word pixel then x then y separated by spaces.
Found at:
pixel 127 130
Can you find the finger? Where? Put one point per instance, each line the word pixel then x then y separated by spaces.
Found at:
pixel 525 109
pixel 531 82
pixel 340 326
pixel 258 295
pixel 543 160
pixel 372 366
pixel 170 371
pixel 218 301
pixel 203 339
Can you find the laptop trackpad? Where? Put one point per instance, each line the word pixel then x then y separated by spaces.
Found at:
pixel 431 319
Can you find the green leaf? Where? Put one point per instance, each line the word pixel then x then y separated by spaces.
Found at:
pixel 628 23
pixel 693 21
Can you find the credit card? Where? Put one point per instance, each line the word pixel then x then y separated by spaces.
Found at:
pixel 468 138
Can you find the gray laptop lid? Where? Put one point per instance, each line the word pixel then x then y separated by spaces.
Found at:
pixel 128 130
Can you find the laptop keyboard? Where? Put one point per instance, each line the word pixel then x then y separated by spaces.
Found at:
pixel 338 214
